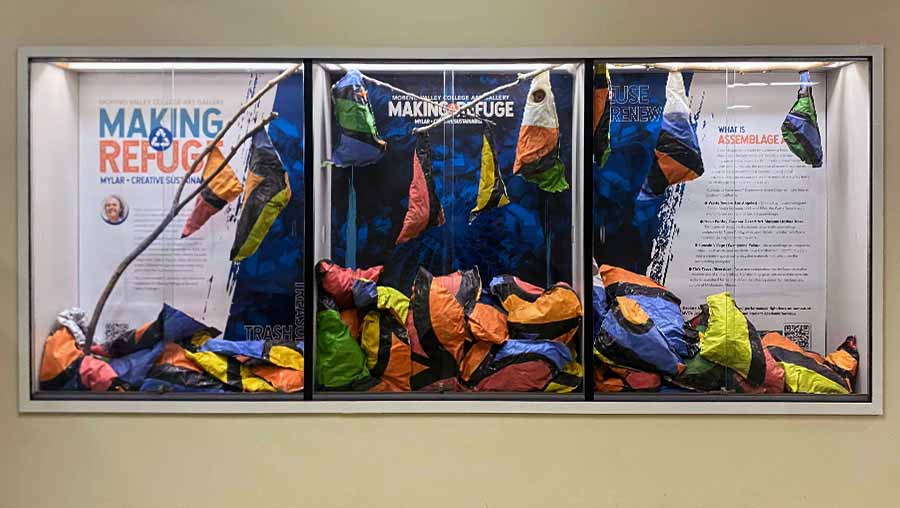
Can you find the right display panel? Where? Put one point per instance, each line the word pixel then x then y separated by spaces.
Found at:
pixel 731 228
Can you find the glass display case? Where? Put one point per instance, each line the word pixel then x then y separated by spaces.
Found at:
pixel 589 231
pixel 167 233
pixel 732 228
pixel 447 255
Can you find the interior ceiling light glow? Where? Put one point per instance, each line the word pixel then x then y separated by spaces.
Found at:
pixel 439 67
pixel 793 83
pixel 173 66
pixel 623 67
pixel 733 66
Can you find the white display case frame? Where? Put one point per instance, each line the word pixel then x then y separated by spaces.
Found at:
pixel 874 405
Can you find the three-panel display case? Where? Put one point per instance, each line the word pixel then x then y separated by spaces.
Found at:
pixel 653 230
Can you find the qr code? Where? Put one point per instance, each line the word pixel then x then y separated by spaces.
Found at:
pixel 799 333
pixel 113 330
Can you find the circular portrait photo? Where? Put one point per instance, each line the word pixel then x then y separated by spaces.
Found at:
pixel 114 211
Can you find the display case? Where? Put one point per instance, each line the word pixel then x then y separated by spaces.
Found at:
pixel 447 205
pixel 581 230
pixel 732 228
pixel 168 194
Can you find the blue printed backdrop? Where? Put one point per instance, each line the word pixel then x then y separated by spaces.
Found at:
pixel 269 283
pixel 530 238
pixel 625 224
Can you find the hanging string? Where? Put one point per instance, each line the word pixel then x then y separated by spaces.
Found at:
pixel 451 169
pixel 351 220
pixel 548 244
pixel 453 114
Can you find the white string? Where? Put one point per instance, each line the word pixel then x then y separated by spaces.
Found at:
pixel 476 100
pixel 389 86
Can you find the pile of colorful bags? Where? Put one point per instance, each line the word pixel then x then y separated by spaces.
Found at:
pixel 642 343
pixel 448 334
pixel 451 335
pixel 172 353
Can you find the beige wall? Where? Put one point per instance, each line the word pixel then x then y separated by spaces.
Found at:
pixel 458 461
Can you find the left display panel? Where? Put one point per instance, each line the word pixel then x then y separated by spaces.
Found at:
pixel 166 228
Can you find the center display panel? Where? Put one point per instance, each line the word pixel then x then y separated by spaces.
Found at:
pixel 445 227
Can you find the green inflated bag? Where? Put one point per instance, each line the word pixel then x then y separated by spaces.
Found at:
pixel 339 360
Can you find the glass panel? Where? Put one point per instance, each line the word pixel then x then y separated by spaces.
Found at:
pixel 647 158
pixel 447 252
pixel 801 262
pixel 731 229
pixel 731 197
pixel 210 304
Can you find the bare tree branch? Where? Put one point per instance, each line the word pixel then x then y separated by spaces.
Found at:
pixel 244 107
pixel 206 181
pixel 141 247
pixel 178 204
